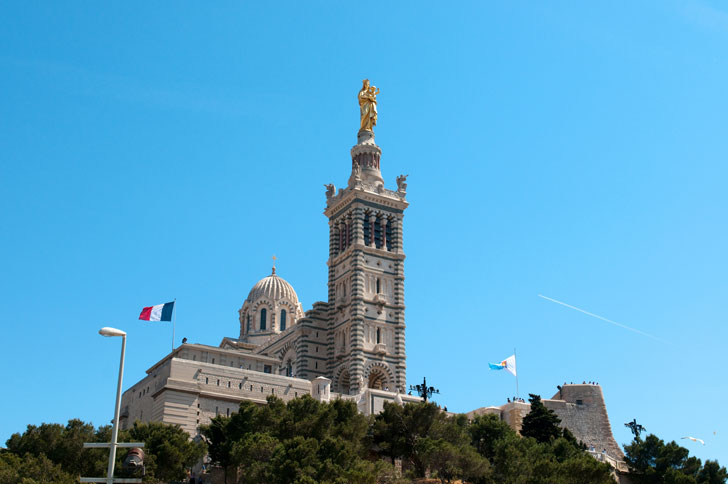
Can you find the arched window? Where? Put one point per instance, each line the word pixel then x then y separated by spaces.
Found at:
pixel 388 233
pixel 367 229
pixel 263 315
pixel 283 319
pixel 378 232
pixel 341 241
pixel 377 380
pixel 247 325
pixel 379 286
pixel 379 335
pixel 289 368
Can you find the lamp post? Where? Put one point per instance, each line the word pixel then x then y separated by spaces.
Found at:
pixel 111 332
pixel 424 391
pixel 109 479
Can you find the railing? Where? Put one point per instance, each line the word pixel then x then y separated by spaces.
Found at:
pixel 604 457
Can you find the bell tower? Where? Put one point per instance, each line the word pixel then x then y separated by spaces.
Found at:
pixel 366 337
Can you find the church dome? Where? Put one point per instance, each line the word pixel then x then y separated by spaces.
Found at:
pixel 272 307
pixel 274 288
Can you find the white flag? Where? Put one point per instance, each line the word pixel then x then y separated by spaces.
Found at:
pixel 510 365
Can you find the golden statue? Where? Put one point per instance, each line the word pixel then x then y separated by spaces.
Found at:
pixel 368 106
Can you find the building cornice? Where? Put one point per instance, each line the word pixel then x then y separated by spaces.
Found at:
pixel 386 198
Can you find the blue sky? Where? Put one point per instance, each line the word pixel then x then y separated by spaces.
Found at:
pixel 576 150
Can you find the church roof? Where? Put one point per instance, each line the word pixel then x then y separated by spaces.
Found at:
pixel 274 288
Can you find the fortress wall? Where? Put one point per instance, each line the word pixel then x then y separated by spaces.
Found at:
pixel 582 410
pixel 513 413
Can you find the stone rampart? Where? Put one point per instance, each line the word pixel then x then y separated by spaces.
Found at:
pixel 582 410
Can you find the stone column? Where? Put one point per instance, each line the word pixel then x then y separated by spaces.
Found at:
pixel 397 235
pixel 358 228
pixel 357 310
pixel 384 232
pixel 333 252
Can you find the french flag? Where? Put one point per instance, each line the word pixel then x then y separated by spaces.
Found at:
pixel 160 312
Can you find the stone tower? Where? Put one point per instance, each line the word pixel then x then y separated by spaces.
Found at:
pixel 366 345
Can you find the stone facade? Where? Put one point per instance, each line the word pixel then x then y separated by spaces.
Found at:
pixel 350 347
pixel 366 279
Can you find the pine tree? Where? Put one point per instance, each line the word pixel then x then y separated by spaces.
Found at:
pixel 541 423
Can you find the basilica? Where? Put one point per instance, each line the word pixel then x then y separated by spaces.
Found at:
pixel 351 346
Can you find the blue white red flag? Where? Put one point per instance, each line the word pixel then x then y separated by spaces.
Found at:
pixel 160 312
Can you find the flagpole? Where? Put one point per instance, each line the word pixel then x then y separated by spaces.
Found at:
pixel 516 358
pixel 174 321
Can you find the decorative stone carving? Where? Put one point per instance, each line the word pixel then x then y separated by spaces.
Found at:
pixel 402 183
pixel 330 191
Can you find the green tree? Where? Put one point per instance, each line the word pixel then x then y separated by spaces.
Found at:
pixel 712 473
pixel 450 461
pixel 252 454
pixel 63 445
pixel 397 429
pixel 299 441
pixel 296 461
pixel 32 469
pixel 517 460
pixel 652 461
pixel 486 431
pixel 168 449
pixel 540 423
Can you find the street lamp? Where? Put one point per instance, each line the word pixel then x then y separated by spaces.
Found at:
pixel 424 391
pixel 111 332
pixel 109 479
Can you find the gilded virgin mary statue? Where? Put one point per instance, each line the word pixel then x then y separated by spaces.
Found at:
pixel 368 106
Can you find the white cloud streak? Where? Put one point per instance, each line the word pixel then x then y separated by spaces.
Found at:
pixel 603 319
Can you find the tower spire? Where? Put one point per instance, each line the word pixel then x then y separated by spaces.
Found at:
pixel 365 155
pixel 366 303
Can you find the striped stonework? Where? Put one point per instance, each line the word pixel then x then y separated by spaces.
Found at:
pixel 366 344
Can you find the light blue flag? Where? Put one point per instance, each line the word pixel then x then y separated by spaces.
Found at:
pixel 509 364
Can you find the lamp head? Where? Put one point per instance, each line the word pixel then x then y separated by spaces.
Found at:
pixel 109 332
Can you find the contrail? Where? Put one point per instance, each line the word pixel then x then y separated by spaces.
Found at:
pixel 604 319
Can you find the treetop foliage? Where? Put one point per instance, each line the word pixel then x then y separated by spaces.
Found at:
pixel 305 441
pixel 653 461
pixel 53 453
pixel 541 423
